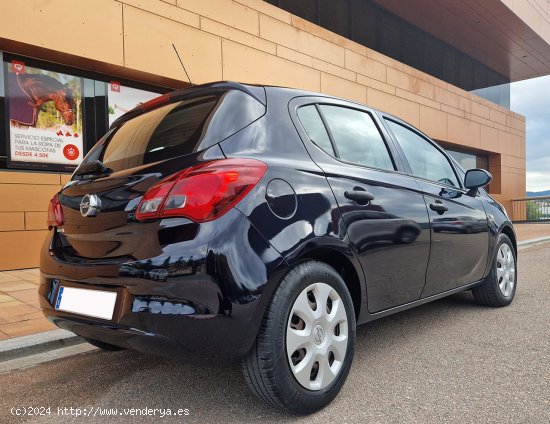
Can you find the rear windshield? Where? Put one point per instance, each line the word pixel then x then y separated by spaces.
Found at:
pixel 177 129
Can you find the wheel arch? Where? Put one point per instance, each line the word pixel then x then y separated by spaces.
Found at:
pixel 509 231
pixel 344 266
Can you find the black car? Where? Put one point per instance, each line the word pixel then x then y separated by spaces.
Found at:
pixel 230 221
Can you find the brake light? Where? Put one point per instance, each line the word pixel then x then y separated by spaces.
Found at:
pixel 157 101
pixel 203 192
pixel 55 213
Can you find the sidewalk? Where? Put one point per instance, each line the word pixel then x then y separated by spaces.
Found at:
pixel 529 231
pixel 20 313
pixel 19 309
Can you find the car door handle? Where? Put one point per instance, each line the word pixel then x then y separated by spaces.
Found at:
pixel 361 197
pixel 439 207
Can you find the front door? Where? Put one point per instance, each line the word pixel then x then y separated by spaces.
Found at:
pixel 459 229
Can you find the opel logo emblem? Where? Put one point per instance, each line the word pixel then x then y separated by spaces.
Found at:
pixel 318 334
pixel 90 205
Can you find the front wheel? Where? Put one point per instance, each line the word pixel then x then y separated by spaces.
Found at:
pixel 499 288
pixel 304 349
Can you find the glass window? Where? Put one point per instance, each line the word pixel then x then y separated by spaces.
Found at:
pixel 356 136
pixel 370 24
pixel 425 159
pixel 176 129
pixel 307 9
pixel 310 119
pixel 56 114
pixel 334 15
pixel 45 117
pixel 470 160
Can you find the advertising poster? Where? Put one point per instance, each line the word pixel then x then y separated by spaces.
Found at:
pixel 122 99
pixel 45 112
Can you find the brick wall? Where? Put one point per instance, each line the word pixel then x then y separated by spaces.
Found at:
pixel 23 212
pixel 250 41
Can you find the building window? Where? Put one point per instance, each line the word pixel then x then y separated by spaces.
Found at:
pixel 53 114
pixel 45 116
pixel 470 160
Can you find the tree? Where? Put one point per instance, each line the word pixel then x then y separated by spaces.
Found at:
pixel 533 210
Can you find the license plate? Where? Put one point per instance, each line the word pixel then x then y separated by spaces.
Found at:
pixel 92 303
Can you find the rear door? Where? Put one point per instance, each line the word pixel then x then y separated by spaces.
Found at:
pixel 458 221
pixel 382 209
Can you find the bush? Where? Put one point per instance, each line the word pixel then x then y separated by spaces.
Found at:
pixel 533 210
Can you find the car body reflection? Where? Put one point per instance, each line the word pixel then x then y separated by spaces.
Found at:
pixel 370 226
pixel 459 224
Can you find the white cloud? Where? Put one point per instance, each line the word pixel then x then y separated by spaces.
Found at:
pixel 531 98
pixel 537 181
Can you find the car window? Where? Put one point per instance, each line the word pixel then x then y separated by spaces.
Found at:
pixel 357 137
pixel 315 129
pixel 425 159
pixel 176 129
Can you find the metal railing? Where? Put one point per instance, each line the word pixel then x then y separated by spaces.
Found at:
pixel 531 209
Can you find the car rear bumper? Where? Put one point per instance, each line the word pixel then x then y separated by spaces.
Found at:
pixel 200 300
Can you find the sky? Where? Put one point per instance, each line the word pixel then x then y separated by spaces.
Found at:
pixel 531 98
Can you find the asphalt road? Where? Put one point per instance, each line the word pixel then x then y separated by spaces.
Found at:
pixel 449 361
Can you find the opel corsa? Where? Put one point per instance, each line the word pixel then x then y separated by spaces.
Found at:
pixel 262 224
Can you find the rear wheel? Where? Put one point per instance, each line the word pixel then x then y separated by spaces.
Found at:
pixel 500 286
pixel 305 345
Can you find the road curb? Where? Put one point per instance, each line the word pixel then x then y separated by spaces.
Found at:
pixel 37 343
pixel 49 355
pixel 532 242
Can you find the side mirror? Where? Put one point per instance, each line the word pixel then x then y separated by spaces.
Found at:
pixel 476 178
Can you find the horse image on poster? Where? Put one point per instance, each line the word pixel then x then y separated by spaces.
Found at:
pixel 28 92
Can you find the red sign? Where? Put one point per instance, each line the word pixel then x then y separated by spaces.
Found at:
pixel 18 67
pixel 115 86
pixel 70 151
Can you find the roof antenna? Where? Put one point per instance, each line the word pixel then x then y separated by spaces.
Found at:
pixel 182 65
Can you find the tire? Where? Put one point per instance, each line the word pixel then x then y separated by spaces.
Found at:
pixel 102 345
pixel 269 368
pixel 499 288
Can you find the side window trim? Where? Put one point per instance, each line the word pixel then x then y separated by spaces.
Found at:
pixel 321 116
pixel 329 131
pixel 390 137
pixel 400 166
pixel 427 139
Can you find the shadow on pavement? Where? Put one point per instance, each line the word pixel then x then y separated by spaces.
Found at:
pixel 133 380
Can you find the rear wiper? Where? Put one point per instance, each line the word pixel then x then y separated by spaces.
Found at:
pixel 93 167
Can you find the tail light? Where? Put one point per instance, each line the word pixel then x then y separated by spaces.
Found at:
pixel 203 192
pixel 55 213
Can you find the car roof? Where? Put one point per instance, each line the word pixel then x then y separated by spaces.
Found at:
pixel 288 92
pixel 257 91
